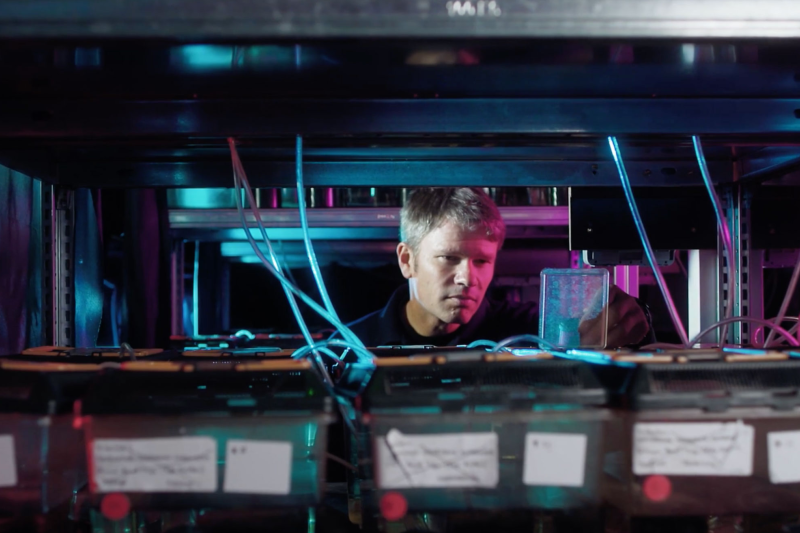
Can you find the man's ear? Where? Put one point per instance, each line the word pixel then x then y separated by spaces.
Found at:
pixel 405 258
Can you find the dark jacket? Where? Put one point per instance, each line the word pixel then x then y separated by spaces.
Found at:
pixel 492 321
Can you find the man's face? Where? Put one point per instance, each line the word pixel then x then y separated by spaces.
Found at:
pixel 450 272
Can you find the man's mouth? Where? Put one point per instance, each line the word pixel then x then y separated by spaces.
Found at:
pixel 462 298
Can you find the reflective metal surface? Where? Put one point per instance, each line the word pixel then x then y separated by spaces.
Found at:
pixel 361 18
pixel 347 218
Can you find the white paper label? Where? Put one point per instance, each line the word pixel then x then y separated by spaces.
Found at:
pixel 554 459
pixel 180 464
pixel 783 454
pixel 441 460
pixel 8 462
pixel 258 467
pixel 693 449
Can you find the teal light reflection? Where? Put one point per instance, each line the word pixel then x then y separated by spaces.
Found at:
pixel 205 56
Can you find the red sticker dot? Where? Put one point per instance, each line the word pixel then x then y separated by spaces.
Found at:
pixel 393 506
pixel 115 506
pixel 657 488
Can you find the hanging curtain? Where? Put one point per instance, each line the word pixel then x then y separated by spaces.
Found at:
pixel 16 219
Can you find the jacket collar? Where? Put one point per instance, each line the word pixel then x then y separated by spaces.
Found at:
pixel 392 324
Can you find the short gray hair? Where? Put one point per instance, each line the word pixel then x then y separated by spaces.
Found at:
pixel 468 207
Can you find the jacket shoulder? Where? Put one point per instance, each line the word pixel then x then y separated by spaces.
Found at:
pixel 365 328
pixel 504 319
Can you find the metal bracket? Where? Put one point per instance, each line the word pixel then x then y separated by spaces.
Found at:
pixel 177 280
pixel 747 290
pixel 58 217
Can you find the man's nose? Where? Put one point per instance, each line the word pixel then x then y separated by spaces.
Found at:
pixel 465 274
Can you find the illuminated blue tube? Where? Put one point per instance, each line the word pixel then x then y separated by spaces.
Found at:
pixel 362 353
pixel 275 264
pixel 312 256
pixel 522 338
pixel 480 343
pixel 724 232
pixel 648 249
pixel 287 285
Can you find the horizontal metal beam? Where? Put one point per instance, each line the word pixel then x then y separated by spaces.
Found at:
pixel 388 217
pixel 210 234
pixel 776 170
pixel 297 251
pixel 370 77
pixel 343 224
pixel 550 233
pixel 401 172
pixel 381 18
pixel 100 119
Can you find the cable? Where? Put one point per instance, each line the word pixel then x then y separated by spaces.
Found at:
pixel 520 338
pixel 787 298
pixel 239 180
pixel 341 461
pixel 681 266
pixel 274 268
pixel 662 345
pixel 782 332
pixel 481 343
pixel 791 330
pixel 126 348
pixel 362 353
pixel 346 333
pixel 271 268
pixel 593 357
pixel 302 352
pixel 312 257
pixel 648 249
pixel 724 231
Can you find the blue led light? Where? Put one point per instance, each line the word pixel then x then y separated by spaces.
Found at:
pixel 204 56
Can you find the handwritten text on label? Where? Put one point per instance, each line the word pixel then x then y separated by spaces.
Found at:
pixel 693 449
pixel 440 460
pixel 181 464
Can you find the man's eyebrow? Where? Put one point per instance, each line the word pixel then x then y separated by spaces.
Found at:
pixel 451 251
pixel 446 251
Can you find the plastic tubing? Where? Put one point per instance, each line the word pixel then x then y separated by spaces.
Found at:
pixel 792 330
pixel 238 183
pixel 239 169
pixel 520 338
pixel 648 249
pixel 275 264
pixel 482 343
pixel 269 265
pixel 786 299
pixel 782 332
pixel 312 256
pixel 360 351
pixel 724 231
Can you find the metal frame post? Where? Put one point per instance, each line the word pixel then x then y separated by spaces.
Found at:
pixel 705 298
pixel 747 290
pixel 176 286
pixel 58 224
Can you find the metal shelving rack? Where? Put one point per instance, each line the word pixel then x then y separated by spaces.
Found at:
pixel 106 94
